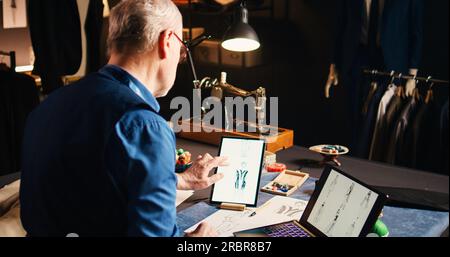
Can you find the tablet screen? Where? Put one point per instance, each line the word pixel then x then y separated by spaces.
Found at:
pixel 241 177
pixel 342 207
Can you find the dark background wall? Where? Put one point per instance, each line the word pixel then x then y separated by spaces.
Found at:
pixel 296 46
pixel 297 56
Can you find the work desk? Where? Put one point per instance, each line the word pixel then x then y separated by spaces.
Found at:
pixel 401 221
pixel 372 173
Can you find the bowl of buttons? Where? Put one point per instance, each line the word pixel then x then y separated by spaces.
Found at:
pixel 330 152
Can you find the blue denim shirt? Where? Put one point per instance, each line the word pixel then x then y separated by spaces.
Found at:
pixel 97 160
pixel 140 155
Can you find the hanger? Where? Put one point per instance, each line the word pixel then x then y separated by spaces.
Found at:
pixel 392 78
pixel 400 91
pixel 430 95
pixel 416 92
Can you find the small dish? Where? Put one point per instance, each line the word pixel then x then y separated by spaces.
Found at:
pixel 330 153
pixel 330 149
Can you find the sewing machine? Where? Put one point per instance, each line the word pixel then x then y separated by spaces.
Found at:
pixel 195 129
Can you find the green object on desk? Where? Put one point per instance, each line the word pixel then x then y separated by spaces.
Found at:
pixel 380 229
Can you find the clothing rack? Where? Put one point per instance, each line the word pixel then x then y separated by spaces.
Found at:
pixel 397 75
pixel 12 57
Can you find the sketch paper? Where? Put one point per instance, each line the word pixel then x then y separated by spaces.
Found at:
pixel 278 209
pixel 183 196
pixel 14 14
pixel 240 182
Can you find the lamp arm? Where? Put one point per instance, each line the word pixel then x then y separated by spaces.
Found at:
pixel 190 45
pixel 192 68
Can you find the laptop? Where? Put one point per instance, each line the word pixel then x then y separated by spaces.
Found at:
pixel 340 206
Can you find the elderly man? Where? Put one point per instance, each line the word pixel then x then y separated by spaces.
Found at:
pixel 98 159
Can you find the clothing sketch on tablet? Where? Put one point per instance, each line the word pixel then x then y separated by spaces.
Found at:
pixel 241 179
pixel 366 200
pixel 331 189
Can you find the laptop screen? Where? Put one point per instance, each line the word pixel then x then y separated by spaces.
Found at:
pixel 342 206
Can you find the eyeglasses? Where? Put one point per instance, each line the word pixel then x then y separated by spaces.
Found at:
pixel 183 50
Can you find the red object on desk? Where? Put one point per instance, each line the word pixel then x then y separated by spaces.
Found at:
pixel 276 167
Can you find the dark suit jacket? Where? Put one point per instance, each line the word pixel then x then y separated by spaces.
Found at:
pixel 398 150
pixel 423 136
pixel 381 150
pixel 55 32
pixel 93 27
pixel 363 145
pixel 18 97
pixel 401 34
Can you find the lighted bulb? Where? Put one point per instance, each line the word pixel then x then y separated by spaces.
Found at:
pixel 241 45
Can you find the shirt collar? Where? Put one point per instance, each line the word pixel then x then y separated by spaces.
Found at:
pixel 133 83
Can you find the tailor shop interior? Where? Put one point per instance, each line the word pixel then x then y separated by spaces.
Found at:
pixel 362 86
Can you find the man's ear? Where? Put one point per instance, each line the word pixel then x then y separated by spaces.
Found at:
pixel 164 43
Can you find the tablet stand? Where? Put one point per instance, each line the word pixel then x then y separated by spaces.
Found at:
pixel 232 206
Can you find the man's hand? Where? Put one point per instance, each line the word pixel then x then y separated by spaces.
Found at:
pixel 203 230
pixel 333 80
pixel 197 176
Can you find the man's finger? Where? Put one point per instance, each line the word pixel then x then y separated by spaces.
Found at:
pixel 201 227
pixel 223 161
pixel 207 231
pixel 207 156
pixel 215 178
pixel 217 161
pixel 198 230
pixel 204 229
pixel 205 159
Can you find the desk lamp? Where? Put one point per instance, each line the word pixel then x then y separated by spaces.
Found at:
pixel 240 36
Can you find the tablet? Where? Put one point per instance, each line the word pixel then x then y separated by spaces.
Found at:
pixel 241 177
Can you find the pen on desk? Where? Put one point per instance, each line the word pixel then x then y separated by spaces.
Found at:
pixel 259 209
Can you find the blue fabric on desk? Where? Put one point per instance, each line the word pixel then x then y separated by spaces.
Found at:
pixel 400 221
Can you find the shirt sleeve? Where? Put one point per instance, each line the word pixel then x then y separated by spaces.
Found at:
pixel 142 157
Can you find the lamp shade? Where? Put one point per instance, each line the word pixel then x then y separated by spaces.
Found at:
pixel 241 37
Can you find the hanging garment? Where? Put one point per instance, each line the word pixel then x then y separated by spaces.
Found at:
pixel 392 112
pixel 397 146
pixel 401 34
pixel 372 90
pixel 379 133
pixel 368 124
pixel 357 88
pixel 55 32
pixel 424 137
pixel 93 28
pixel 18 97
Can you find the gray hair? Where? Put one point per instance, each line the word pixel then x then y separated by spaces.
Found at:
pixel 135 25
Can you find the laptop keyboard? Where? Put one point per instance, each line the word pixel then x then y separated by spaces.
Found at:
pixel 285 230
